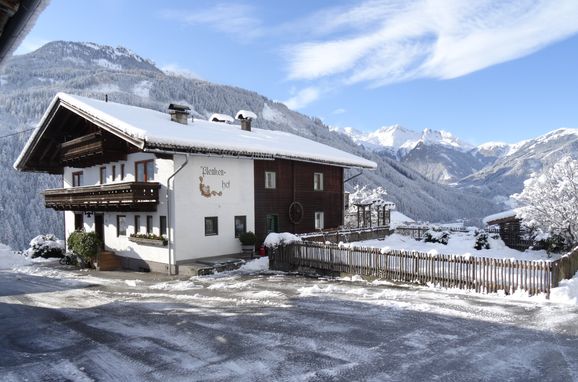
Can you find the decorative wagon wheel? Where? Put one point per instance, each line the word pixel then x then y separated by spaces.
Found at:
pixel 295 212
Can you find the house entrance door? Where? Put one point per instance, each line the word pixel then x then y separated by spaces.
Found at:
pixel 99 227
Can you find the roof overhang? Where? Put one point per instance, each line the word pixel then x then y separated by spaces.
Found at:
pixel 16 19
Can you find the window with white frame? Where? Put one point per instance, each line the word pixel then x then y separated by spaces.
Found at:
pixel 318 181
pixel 270 179
pixel 319 220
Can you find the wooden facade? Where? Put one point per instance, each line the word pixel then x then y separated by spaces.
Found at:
pixel 294 200
pixel 511 232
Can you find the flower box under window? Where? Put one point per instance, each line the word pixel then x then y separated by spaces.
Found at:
pixel 144 239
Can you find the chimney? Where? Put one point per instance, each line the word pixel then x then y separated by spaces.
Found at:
pixel 246 116
pixel 179 113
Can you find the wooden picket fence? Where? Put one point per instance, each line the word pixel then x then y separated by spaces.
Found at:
pixel 483 275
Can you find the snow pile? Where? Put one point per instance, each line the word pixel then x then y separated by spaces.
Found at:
pixel 257 265
pixel 397 219
pixel 566 292
pixel 9 259
pixel 276 239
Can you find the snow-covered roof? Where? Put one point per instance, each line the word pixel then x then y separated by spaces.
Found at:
pixel 493 219
pixel 152 130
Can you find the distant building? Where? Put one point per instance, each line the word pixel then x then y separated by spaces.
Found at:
pixel 130 171
pixel 510 226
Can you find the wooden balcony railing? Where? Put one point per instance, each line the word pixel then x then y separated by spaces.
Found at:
pixel 130 196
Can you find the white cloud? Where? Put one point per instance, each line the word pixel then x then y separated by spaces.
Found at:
pixel 177 70
pixel 380 42
pixel 339 111
pixel 237 20
pixel 303 98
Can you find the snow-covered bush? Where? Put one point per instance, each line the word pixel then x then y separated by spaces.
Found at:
pixel 45 246
pixel 550 201
pixel 482 240
pixel 274 240
pixel 436 236
pixel 84 244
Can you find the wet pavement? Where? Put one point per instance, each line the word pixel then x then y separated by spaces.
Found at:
pixel 79 326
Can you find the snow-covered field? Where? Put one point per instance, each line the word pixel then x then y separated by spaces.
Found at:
pixel 460 243
pixel 62 324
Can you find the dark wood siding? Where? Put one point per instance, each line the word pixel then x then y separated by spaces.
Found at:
pixel 295 183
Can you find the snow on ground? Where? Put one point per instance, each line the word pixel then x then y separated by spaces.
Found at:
pixel 10 259
pixel 460 243
pixel 252 324
pixel 566 292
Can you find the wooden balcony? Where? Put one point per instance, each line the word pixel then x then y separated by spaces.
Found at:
pixel 91 149
pixel 121 197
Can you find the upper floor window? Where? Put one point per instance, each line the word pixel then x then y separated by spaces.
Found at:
pixel 113 173
pixel 102 175
pixel 270 179
pixel 319 220
pixel 77 179
pixel 318 181
pixel 122 171
pixel 144 171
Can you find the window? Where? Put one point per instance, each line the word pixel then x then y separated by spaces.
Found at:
pixel 319 220
pixel 163 225
pixel 318 181
pixel 149 224
pixel 240 225
pixel 272 223
pixel 78 221
pixel 144 171
pixel 120 225
pixel 122 171
pixel 136 223
pixel 77 179
pixel 270 179
pixel 102 175
pixel 113 173
pixel 211 226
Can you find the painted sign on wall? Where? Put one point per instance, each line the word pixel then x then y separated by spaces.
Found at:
pixel 213 181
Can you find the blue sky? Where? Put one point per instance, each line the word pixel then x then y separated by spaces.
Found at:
pixel 483 70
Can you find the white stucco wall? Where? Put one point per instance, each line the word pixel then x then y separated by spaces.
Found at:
pixel 120 244
pixel 229 188
pixel 227 184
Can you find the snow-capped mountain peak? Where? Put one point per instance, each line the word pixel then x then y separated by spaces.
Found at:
pixel 399 139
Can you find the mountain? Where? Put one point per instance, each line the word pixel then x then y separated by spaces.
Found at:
pixel 400 140
pixel 516 163
pixel 29 82
pixel 437 155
